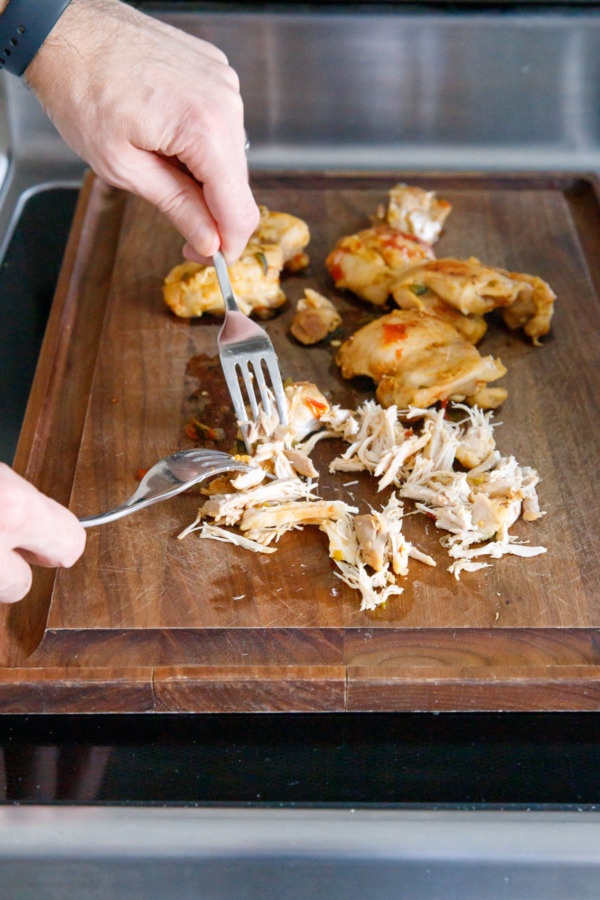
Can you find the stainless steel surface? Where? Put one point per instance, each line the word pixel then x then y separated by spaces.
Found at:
pixel 305 854
pixel 244 347
pixel 168 477
pixel 415 90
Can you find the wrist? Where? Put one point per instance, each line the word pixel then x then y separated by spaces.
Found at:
pixel 24 27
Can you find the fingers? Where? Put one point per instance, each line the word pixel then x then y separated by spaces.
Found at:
pixel 15 578
pixel 210 217
pixel 219 163
pixel 33 529
pixel 178 196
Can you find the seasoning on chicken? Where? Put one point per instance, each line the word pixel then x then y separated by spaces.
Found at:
pixel 418 360
pixel 471 327
pixel 464 284
pixel 315 318
pixel 474 289
pixel 370 262
pixel 288 232
pixel 191 289
pixel 416 211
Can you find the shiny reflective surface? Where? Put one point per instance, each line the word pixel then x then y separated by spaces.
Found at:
pixel 467 759
pixel 303 854
pixel 415 90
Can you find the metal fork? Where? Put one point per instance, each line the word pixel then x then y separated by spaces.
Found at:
pixel 243 348
pixel 170 476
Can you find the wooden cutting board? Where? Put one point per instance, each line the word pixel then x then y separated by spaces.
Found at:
pixel 147 622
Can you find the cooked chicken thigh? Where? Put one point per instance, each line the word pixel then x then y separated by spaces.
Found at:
pixel 285 231
pixel 191 289
pixel 472 327
pixel 464 284
pixel 417 360
pixel 473 290
pixel 370 262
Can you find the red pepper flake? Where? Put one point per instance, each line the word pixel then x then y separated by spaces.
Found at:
pixel 114 399
pixel 316 407
pixel 335 267
pixel 394 331
pixel 140 473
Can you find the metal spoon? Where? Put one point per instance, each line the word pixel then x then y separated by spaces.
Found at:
pixel 170 476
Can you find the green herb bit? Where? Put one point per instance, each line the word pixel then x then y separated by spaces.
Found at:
pixel 262 259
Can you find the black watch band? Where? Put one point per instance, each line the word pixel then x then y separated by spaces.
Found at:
pixel 24 26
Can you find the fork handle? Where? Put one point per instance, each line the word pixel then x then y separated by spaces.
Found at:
pixel 224 282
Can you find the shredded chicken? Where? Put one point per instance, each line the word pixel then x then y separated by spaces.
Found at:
pixel 451 470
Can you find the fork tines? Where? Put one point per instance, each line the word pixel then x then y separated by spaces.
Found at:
pixel 250 366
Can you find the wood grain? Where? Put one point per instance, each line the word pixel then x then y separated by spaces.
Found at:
pixel 250 689
pixel 68 690
pixel 197 611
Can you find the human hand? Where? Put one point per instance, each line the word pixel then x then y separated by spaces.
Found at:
pixel 33 529
pixel 155 111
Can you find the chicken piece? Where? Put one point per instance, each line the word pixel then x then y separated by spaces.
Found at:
pixel 301 463
pixel 288 232
pixel 293 513
pixel 191 289
pixel 417 360
pixel 472 327
pixel 464 284
pixel 315 318
pixel 416 211
pixel 372 537
pixel 533 309
pixel 306 407
pixel 370 262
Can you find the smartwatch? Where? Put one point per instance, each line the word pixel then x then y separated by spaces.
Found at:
pixel 24 26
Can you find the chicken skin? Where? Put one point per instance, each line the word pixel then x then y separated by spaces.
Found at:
pixel 473 290
pixel 418 360
pixel 370 262
pixel 465 284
